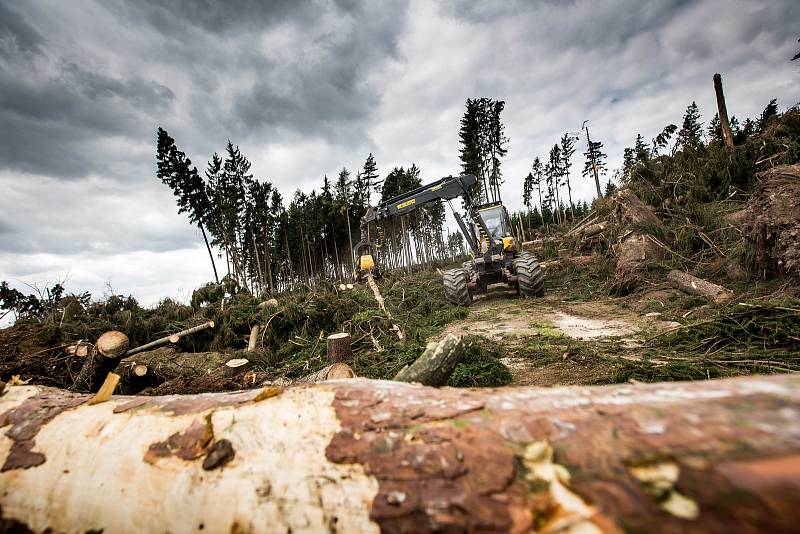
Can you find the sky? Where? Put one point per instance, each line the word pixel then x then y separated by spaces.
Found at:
pixel 307 87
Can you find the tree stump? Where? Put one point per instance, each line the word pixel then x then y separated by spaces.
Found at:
pixel 339 347
pixel 235 367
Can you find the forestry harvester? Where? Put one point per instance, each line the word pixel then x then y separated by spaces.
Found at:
pixel 496 255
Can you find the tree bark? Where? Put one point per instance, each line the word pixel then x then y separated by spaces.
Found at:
pixel 436 364
pixel 727 135
pixel 697 286
pixel 365 456
pixel 338 348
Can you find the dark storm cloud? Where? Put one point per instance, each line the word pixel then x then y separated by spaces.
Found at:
pixel 323 90
pixel 50 122
pixel 16 34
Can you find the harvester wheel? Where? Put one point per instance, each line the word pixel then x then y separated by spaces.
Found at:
pixel 529 275
pixel 469 266
pixel 455 287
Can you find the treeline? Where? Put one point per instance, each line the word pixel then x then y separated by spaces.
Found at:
pixel 266 245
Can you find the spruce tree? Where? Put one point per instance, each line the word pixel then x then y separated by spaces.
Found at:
pixel 176 171
pixel 567 150
pixel 370 177
pixel 595 160
pixel 690 136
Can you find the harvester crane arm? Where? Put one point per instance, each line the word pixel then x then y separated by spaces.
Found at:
pixel 446 188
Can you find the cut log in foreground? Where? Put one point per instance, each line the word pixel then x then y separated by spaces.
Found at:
pixel 435 364
pixel 359 456
pixel 697 286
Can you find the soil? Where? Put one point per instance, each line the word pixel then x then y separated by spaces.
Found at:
pixel 553 341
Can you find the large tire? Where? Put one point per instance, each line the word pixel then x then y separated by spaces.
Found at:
pixel 469 266
pixel 529 275
pixel 455 287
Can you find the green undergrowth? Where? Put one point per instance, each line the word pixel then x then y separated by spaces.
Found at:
pixel 753 337
pixel 294 331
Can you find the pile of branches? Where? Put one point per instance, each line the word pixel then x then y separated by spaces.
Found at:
pixel 757 335
pixel 291 332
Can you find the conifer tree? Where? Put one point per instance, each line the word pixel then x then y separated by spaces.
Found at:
pixel 567 150
pixel 690 136
pixel 770 111
pixel 595 160
pixel 176 171
pixel 370 177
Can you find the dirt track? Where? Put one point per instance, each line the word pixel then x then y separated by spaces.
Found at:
pixel 545 341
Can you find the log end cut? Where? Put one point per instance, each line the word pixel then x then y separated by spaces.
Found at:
pixel 112 344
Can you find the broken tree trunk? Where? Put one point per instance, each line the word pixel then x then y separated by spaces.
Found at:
pixel 436 364
pixel 373 455
pixel 697 286
pixel 727 135
pixel 382 305
pixel 252 341
pixel 338 348
pixel 173 338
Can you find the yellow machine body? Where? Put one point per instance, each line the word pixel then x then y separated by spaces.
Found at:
pixel 366 262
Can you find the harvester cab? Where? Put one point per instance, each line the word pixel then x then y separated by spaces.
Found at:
pixel 496 255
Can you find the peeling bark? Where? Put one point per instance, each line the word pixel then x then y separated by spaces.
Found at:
pixel 363 456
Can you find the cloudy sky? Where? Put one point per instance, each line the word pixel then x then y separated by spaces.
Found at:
pixel 306 87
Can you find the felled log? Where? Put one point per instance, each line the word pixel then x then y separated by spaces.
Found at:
pixel 172 338
pixel 572 260
pixel 166 363
pixel 338 347
pixel 697 286
pixel 112 344
pixel 365 456
pixel 593 230
pixel 435 364
pixel 334 371
pixel 80 349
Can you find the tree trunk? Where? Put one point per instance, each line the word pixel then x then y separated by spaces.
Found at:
pixel 172 338
pixel 436 364
pixel 339 347
pixel 697 286
pixel 210 254
pixel 727 135
pixel 365 456
pixel 594 165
